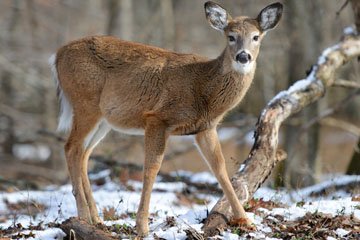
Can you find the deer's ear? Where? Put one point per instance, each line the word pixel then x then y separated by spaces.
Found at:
pixel 217 16
pixel 270 16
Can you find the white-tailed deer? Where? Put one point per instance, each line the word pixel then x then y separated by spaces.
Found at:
pixel 105 83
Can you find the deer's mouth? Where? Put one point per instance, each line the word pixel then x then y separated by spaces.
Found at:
pixel 243 68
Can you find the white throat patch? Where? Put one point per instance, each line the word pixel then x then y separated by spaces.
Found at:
pixel 242 68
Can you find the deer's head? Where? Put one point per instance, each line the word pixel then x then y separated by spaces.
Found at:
pixel 243 34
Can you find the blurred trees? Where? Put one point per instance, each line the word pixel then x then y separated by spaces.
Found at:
pixel 31 30
pixel 354 166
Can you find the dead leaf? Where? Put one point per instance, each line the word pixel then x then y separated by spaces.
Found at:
pixel 356 199
pixel 238 221
pixel 110 213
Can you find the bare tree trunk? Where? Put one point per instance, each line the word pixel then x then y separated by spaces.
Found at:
pixel 354 166
pixel 303 168
pixel 295 71
pixel 356 8
pixel 264 154
pixel 126 20
pixel 113 13
pixel 167 14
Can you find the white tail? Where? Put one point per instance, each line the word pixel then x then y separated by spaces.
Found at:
pixel 105 83
pixel 66 110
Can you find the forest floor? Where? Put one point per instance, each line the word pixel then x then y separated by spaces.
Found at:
pixel 330 210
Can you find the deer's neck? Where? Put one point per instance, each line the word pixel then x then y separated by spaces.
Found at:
pixel 228 85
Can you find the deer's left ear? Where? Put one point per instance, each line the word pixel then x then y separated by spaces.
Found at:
pixel 270 16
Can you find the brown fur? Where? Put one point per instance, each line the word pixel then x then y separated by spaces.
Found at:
pixel 148 83
pixel 135 86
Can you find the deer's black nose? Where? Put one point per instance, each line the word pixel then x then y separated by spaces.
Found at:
pixel 243 57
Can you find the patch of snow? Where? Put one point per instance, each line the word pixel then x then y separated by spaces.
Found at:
pixel 357 214
pixel 181 173
pixel 249 138
pixel 277 96
pixel 342 232
pixel 268 194
pixel 228 236
pixel 337 181
pixel 227 133
pixel 50 233
pixel 102 174
pixel 349 30
pixel 299 85
pixel 242 166
pixel 203 177
pixel 31 151
pixel 326 52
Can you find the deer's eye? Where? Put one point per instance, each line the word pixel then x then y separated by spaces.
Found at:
pixel 231 38
pixel 256 38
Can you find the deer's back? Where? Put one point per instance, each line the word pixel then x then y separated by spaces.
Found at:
pixel 127 81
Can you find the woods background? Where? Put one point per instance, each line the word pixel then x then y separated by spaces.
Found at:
pixel 31 152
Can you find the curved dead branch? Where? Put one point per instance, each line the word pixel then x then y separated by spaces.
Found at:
pixel 265 154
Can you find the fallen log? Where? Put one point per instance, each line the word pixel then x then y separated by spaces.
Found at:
pixel 76 229
pixel 265 154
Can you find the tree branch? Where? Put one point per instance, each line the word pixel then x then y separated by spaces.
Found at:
pixel 342 7
pixel 346 84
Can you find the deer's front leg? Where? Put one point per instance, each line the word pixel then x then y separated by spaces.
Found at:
pixel 209 146
pixel 155 141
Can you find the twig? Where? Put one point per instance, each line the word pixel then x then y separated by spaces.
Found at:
pixel 346 126
pixel 111 162
pixel 342 7
pixel 331 111
pixel 346 84
pixel 51 134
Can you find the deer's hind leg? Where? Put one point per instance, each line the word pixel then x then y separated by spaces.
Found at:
pixel 87 131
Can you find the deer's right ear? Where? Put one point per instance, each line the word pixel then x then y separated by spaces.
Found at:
pixel 217 16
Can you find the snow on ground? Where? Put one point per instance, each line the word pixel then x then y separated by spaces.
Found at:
pixel 165 202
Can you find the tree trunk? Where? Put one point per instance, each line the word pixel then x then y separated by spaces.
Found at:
pixel 356 8
pixel 302 167
pixel 126 20
pixel 168 21
pixel 113 14
pixel 354 166
pixel 264 154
